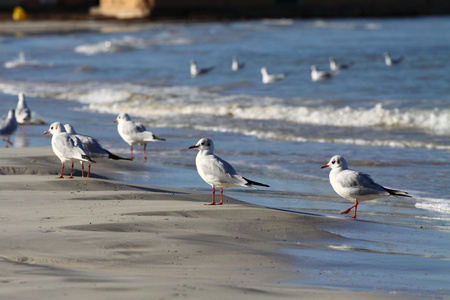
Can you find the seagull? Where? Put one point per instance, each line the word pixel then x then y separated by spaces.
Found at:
pixel 195 71
pixel 391 61
pixel 235 65
pixel 92 147
pixel 8 127
pixel 134 133
pixel 356 186
pixel 335 67
pixel 67 147
pixel 23 113
pixel 317 75
pixel 217 172
pixel 267 78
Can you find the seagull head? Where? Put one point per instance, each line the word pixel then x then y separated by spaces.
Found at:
pixel 335 162
pixel 56 127
pixel 122 117
pixel 204 144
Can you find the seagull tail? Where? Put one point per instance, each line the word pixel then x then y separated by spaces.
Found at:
pixel 115 157
pixel 87 158
pixel 397 193
pixel 251 182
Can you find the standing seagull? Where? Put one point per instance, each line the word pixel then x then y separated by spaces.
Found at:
pixel 8 127
pixel 23 113
pixel 317 75
pixel 217 172
pixel 134 133
pixel 356 186
pixel 67 147
pixel 391 61
pixel 92 147
pixel 195 71
pixel 267 78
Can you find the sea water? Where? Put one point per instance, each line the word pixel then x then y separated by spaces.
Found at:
pixel 391 122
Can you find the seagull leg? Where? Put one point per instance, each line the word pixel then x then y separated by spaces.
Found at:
pixel 62 170
pixel 131 148
pixel 89 171
pixel 350 208
pixel 143 152
pixel 213 197
pixel 221 197
pixel 71 172
pixel 8 142
pixel 82 169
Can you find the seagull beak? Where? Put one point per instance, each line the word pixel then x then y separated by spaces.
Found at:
pixel 115 121
pixel 48 131
pixel 192 147
pixel 325 166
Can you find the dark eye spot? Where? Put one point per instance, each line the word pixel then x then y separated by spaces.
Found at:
pixel 339 162
pixel 333 162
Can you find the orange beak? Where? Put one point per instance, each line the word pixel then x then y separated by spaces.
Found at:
pixel 47 132
pixel 325 166
pixel 115 121
pixel 192 147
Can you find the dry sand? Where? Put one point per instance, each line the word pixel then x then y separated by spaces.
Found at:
pixel 101 239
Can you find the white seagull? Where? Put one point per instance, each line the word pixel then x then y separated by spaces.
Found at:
pixel 235 65
pixel 195 71
pixel 23 113
pixel 317 75
pixel 134 133
pixel 356 186
pixel 267 78
pixel 217 172
pixel 391 61
pixel 8 127
pixel 335 67
pixel 92 147
pixel 67 147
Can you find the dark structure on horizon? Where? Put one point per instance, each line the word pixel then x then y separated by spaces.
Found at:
pixel 229 9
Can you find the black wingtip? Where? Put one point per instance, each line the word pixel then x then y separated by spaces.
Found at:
pixel 251 182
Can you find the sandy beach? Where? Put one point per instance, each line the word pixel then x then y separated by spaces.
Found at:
pixel 101 239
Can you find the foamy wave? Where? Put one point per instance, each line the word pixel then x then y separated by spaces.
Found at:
pixel 130 43
pixel 21 61
pixel 172 106
pixel 114 45
pixel 434 204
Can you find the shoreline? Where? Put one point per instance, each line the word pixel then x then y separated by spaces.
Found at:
pixel 105 239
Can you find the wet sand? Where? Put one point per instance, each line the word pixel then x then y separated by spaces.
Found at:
pixel 100 239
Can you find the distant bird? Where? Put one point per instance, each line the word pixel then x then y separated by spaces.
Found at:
pixel 356 186
pixel 391 61
pixel 217 172
pixel 8 127
pixel 23 113
pixel 335 67
pixel 67 147
pixel 235 64
pixel 317 75
pixel 195 71
pixel 267 78
pixel 134 133
pixel 92 147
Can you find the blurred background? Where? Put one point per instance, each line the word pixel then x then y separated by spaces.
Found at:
pixel 224 9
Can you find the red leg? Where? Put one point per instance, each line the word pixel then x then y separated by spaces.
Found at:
pixel 213 197
pixel 82 170
pixel 89 171
pixel 8 142
pixel 143 152
pixel 221 197
pixel 131 148
pixel 62 170
pixel 71 172
pixel 350 208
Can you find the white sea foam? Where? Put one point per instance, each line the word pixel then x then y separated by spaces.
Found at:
pixel 174 106
pixel 22 61
pixel 434 204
